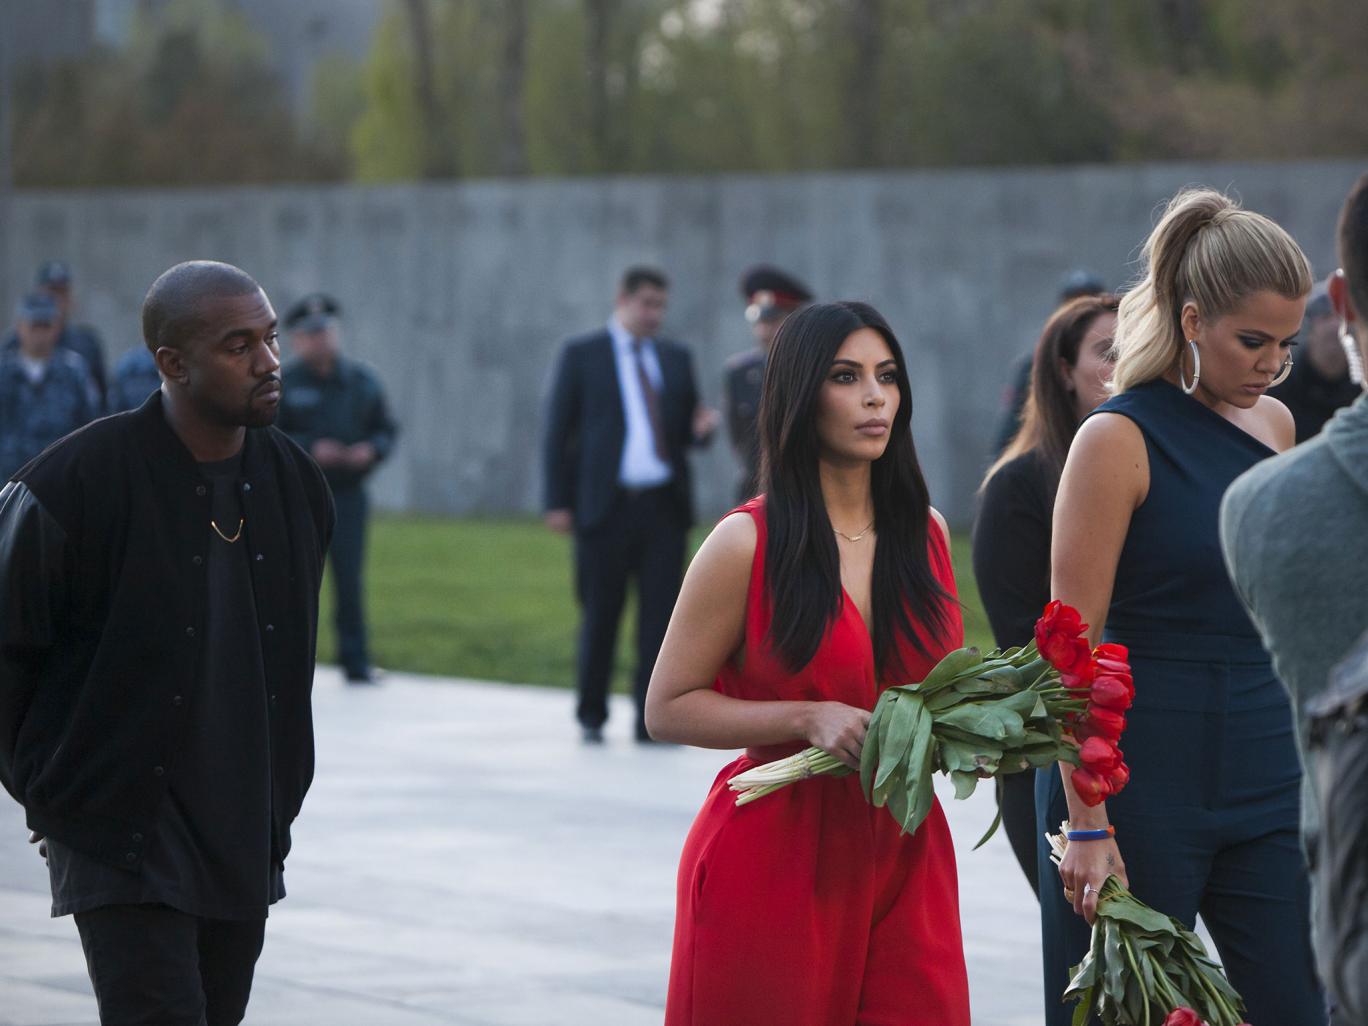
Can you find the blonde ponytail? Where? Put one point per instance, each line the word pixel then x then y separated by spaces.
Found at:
pixel 1209 250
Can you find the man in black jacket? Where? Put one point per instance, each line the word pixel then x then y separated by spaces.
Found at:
pixel 624 411
pixel 159 577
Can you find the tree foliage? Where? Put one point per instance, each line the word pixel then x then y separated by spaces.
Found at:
pixel 463 88
pixel 192 99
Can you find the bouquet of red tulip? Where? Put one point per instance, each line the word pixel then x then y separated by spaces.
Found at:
pixel 1186 1017
pixel 1054 700
pixel 1143 965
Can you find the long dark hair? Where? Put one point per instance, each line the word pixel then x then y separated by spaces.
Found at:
pixel 1049 420
pixel 803 566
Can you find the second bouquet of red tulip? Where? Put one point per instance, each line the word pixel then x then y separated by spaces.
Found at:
pixel 976 716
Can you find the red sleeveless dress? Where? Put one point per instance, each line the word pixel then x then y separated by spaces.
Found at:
pixel 807 907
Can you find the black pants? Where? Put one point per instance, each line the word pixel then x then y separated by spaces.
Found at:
pixel 348 554
pixel 643 536
pixel 1016 799
pixel 153 966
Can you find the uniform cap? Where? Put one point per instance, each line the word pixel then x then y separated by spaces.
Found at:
pixel 770 292
pixel 1080 282
pixel 313 312
pixel 53 272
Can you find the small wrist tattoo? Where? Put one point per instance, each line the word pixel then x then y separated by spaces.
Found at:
pixel 1111 860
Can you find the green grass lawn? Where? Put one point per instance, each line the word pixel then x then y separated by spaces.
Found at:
pixel 492 599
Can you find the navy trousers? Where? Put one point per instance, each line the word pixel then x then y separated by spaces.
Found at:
pixel 1208 824
pixel 348 555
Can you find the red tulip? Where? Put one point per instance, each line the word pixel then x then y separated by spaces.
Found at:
pixel 1119 777
pixel 1109 652
pixel 1091 788
pixel 1070 656
pixel 1113 692
pixel 1099 755
pixel 1057 618
pixel 1080 676
pixel 1061 638
pixel 1100 722
pixel 1183 1017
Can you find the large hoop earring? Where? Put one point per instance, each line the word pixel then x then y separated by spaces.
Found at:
pixel 1196 368
pixel 1351 353
pixel 1283 374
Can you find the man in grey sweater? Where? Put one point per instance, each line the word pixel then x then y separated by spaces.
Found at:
pixel 1337 760
pixel 1295 533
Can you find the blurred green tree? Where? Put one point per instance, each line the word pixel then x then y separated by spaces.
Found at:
pixel 193 99
pixel 462 88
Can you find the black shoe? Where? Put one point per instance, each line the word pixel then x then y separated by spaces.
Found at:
pixel 361 677
pixel 592 735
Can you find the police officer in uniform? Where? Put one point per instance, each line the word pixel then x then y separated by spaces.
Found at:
pixel 46 391
pixel 770 295
pixel 54 278
pixel 135 377
pixel 335 409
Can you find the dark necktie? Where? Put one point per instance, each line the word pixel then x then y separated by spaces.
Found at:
pixel 652 397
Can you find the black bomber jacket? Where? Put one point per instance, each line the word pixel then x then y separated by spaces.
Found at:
pixel 103 596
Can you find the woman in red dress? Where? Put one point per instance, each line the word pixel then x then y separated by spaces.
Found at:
pixel 807 907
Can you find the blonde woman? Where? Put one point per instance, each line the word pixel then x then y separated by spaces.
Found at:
pixel 1209 820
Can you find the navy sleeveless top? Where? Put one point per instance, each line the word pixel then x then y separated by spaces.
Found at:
pixel 1171 577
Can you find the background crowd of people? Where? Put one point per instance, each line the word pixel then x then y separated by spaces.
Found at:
pixel 1144 438
pixel 53 380
pixel 1145 477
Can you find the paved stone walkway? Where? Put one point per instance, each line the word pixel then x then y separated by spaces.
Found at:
pixel 461 859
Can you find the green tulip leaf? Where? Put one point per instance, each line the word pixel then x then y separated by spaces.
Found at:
pixel 987 719
pixel 965 783
pixel 951 666
pixel 992 829
pixel 907 718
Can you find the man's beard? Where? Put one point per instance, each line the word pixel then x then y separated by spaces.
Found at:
pixel 256 417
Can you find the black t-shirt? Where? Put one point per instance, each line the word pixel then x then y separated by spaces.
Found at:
pixel 210 854
pixel 1012 548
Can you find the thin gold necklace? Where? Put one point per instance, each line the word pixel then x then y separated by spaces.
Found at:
pixel 219 531
pixel 854 537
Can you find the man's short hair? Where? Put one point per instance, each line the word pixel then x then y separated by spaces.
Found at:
pixel 171 311
pixel 1353 245
pixel 637 277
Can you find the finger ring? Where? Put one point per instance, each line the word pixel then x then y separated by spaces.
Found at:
pixel 1087 889
pixel 1068 895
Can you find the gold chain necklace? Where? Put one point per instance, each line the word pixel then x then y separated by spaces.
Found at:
pixel 854 537
pixel 219 531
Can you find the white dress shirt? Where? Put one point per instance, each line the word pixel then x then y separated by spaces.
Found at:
pixel 640 466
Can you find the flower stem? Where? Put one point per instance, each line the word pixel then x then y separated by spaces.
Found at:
pixel 1135 970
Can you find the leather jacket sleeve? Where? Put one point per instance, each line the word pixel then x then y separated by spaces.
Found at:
pixel 32 585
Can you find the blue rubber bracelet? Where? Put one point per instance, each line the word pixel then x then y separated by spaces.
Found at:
pixel 1090 835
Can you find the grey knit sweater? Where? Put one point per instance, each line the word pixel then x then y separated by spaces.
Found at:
pixel 1294 529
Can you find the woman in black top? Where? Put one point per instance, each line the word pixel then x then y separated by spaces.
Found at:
pixel 1012 530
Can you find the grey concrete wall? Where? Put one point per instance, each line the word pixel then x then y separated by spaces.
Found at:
pixel 460 293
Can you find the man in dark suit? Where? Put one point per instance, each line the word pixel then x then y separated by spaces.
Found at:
pixel 624 411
